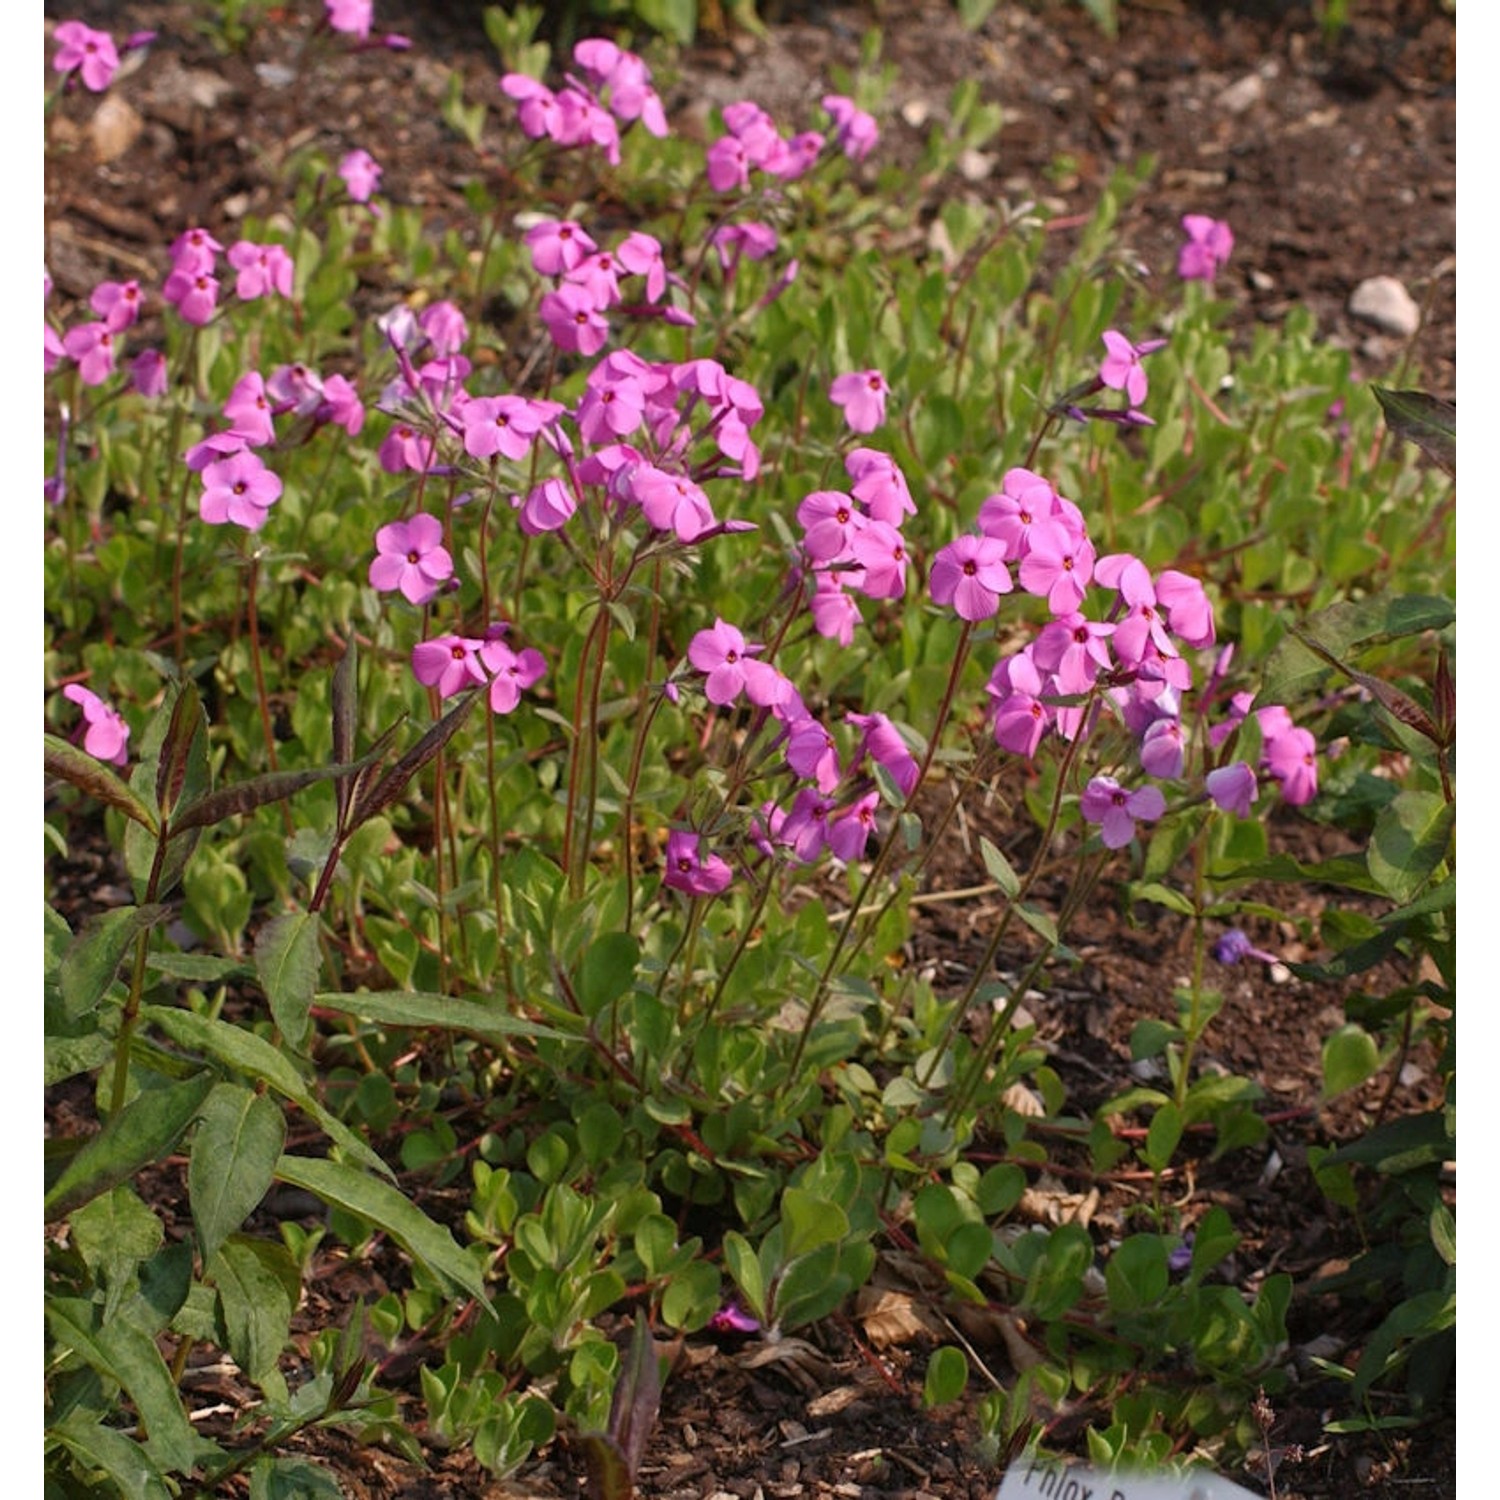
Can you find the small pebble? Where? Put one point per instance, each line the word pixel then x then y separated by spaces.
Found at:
pixel 1383 302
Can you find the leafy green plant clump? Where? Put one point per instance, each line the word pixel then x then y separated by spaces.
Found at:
pixel 530 679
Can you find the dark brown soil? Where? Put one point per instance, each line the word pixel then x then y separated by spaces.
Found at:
pixel 1338 165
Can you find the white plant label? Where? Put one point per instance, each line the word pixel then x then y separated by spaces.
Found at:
pixel 1051 1479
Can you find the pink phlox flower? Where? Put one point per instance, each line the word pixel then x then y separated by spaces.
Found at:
pixel 970 574
pixel 445 326
pixel 410 556
pixel 89 53
pixel 92 345
pixel 195 250
pixel 449 663
pixel 1292 759
pixel 1232 788
pixel 722 654
pixel 1057 566
pixel 1142 626
pixel 882 742
pixel 360 173
pixel 512 671
pixel 599 275
pixel 752 241
pixel 811 753
pixel 148 373
pixel 1021 718
pixel 1273 721
pixel 765 828
pixel 240 489
pixel 1208 247
pixel 805 829
pixel 352 17
pixel 611 409
pixel 537 110
pixel 672 502
pixel 499 424
pixel 406 448
pixel 212 447
pixel 641 255
pixel 581 122
pixel 249 410
pixel 850 829
pixel 1239 710
pixel 862 395
pixel 727 164
pixel 573 320
pixel 262 269
pixel 1117 811
pixel 690 871
pixel 1189 613
pixel 801 155
pixel 834 612
pixel 195 295
pixel 1122 370
pixel 107 733
pixel 879 485
pixel 880 551
pixel 731 1319
pixel 558 245
pixel 1163 749
pixel 1075 649
pixel 54 351
pixel 830 522
pixel 118 303
pixel 548 506
pixel 341 405
pixel 295 388
pixel 856 133
pixel 1023 500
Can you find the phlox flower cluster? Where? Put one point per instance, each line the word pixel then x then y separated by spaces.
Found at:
pixel 450 663
pixel 1124 657
pixel 610 88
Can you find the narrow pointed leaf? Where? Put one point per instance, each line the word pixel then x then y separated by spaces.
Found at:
pixel 394 782
pixel 416 1008
pixel 1427 421
pixel 257 1059
pixel 125 1462
pixel 636 1402
pixel 144 1131
pixel 345 695
pixel 246 796
pixel 79 768
pixel 288 961
pixel 383 1205
pixel 183 762
pixel 235 1150
pixel 93 959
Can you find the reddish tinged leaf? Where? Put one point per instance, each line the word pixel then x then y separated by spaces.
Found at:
pixel 79 768
pixel 390 786
pixel 178 748
pixel 246 796
pixel 1424 420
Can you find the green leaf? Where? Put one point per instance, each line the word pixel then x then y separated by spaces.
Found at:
pixel 1403 1145
pixel 256 1058
pixel 1001 871
pixel 1444 1233
pixel 258 1289
pixel 357 1193
pixel 292 1479
pixel 125 1355
pixel 607 971
pixel 1161 895
pixel 235 1150
pixel 1427 421
pixel 288 961
pixel 1411 839
pixel 1137 1275
pixel 99 1448
pixel 810 1221
pixel 1162 1136
pixel 744 1268
pixel 93 959
pixel 80 769
pixel 144 1131
pixel 415 1008
pixel 947 1375
pixel 1350 1056
pixel 114 1234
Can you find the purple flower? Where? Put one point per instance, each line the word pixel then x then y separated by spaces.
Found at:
pixel 1292 759
pixel 970 574
pixel 688 870
pixel 722 653
pixel 1232 788
pixel 89 53
pixel 263 269
pixel 350 16
pixel 410 556
pixel 1108 804
pixel 1122 369
pixel 107 733
pixel 855 132
pixel 862 396
pixel 239 488
pixel 1209 243
pixel 731 1319
pixel 514 671
pixel 1234 945
pixel 449 663
pixel 93 346
pixel 361 174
